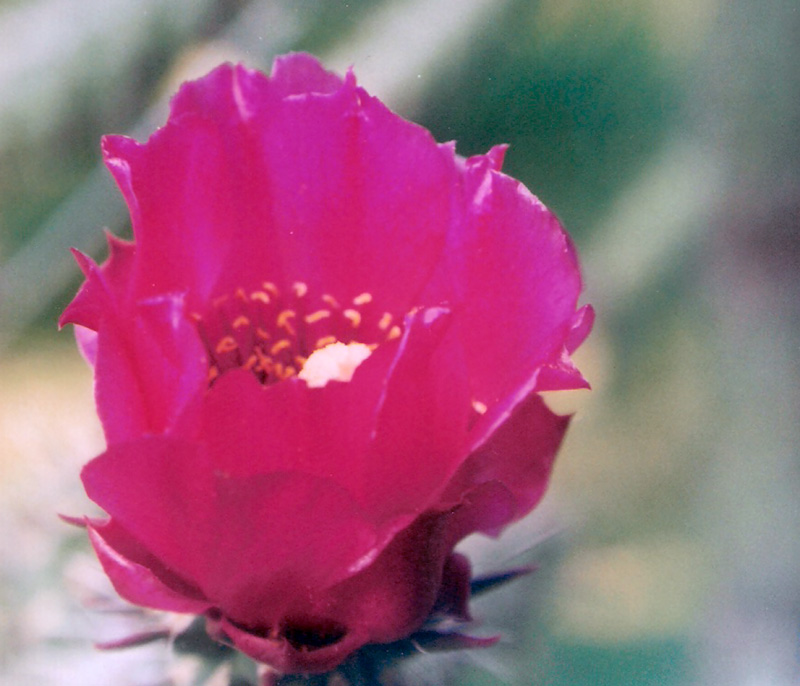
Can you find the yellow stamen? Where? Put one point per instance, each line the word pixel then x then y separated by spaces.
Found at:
pixel 316 316
pixel 265 362
pixel 282 344
pixel 362 299
pixel 284 323
pixel 330 300
pixel 271 287
pixel 240 322
pixel 325 340
pixel 385 321
pixel 354 316
pixel 300 289
pixel 261 296
pixel 226 345
pixel 394 332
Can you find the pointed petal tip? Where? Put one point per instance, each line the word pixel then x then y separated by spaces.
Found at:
pixel 497 155
pixel 488 582
pixel 135 640
pixel 435 642
pixel 81 522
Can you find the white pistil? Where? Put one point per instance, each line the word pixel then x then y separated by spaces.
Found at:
pixel 334 362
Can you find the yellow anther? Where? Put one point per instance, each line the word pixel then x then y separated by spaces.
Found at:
pixel 213 373
pixel 241 295
pixel 240 322
pixel 300 289
pixel 251 361
pixel 479 407
pixel 263 333
pixel 316 316
pixel 282 344
pixel 394 332
pixel 284 323
pixel 289 371
pixel 325 340
pixel 299 360
pixel 362 299
pixel 264 361
pixel 261 296
pixel 330 300
pixel 385 321
pixel 354 316
pixel 226 345
pixel 271 287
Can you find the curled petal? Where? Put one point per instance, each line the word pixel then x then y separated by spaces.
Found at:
pixel 562 374
pixel 138 583
pixel 515 463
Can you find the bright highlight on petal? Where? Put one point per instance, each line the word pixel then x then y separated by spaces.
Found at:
pixel 335 362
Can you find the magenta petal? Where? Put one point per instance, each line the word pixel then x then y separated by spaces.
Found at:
pixel 87 343
pixel 137 583
pixel 162 492
pixel 311 536
pixel 252 430
pixel 329 188
pixel 135 640
pixel 149 369
pixel 359 434
pixel 486 507
pixel 422 418
pixel 581 327
pixel 395 594
pixel 199 522
pixel 454 593
pixel 519 455
pixel 282 655
pixel 385 602
pixel 299 73
pixel 105 289
pixel 562 374
pixel 515 282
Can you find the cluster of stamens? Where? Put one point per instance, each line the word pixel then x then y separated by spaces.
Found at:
pixel 273 334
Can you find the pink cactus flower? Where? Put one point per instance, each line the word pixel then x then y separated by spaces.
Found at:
pixel 318 364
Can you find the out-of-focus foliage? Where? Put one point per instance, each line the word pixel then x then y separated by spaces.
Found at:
pixel 583 99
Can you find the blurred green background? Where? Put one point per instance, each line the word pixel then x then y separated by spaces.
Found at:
pixel 665 134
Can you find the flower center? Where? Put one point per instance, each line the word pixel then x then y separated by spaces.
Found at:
pixel 277 335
